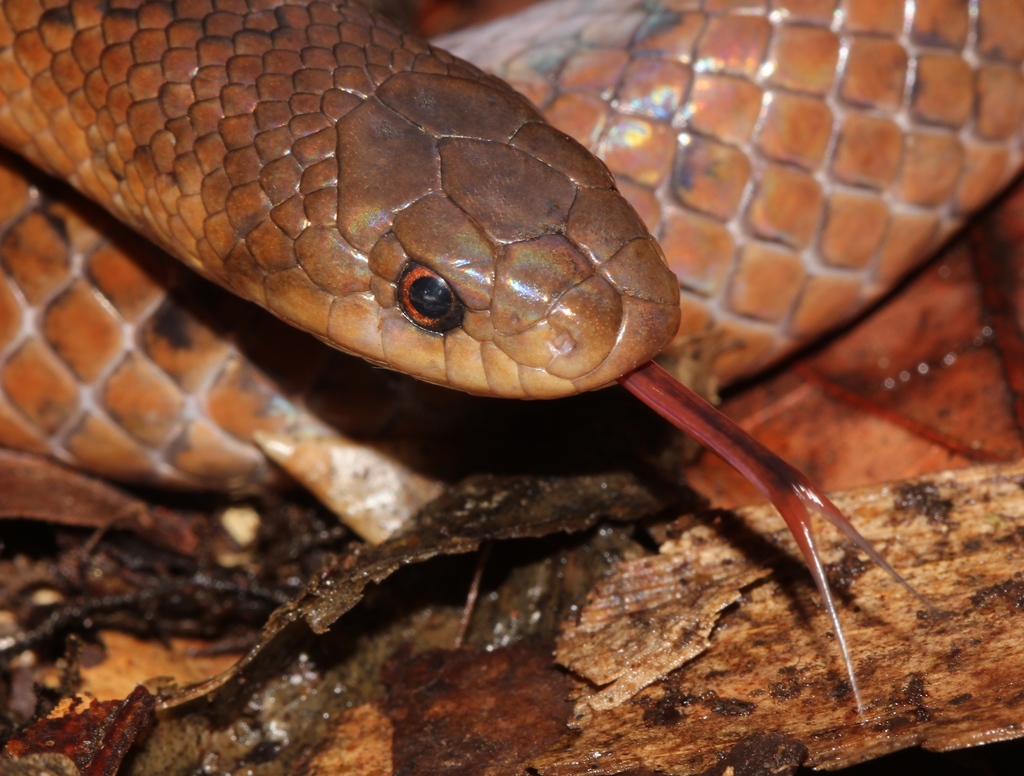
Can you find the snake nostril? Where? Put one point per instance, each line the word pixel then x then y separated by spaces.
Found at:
pixel 563 344
pixel 590 313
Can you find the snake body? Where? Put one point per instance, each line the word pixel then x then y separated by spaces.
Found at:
pixel 793 160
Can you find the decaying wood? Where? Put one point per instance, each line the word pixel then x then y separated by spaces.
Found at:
pixel 942 679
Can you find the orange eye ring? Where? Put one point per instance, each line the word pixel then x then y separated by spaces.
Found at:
pixel 426 299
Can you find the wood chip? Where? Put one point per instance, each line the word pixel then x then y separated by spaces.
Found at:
pixel 647 619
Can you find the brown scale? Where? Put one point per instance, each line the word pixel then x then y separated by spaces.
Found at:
pixel 195 370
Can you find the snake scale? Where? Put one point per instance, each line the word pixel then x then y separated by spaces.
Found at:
pixel 792 158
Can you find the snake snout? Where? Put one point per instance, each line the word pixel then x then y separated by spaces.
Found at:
pixel 574 335
pixel 585 312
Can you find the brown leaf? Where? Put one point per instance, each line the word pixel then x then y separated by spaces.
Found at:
pixel 357 743
pixel 32 487
pixel 129 659
pixel 95 737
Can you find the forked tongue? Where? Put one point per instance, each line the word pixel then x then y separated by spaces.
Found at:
pixel 788 489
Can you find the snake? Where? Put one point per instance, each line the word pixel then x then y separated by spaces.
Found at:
pixel 791 162
pixel 769 169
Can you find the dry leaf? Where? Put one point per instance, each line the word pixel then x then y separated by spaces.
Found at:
pixel 32 487
pixel 94 737
pixel 129 660
pixel 475 713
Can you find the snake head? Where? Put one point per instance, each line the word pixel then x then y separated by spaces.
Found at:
pixel 399 204
pixel 503 260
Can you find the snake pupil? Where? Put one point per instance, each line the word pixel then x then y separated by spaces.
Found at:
pixel 428 301
pixel 430 296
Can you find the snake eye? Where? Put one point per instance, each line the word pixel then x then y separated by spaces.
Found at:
pixel 427 300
